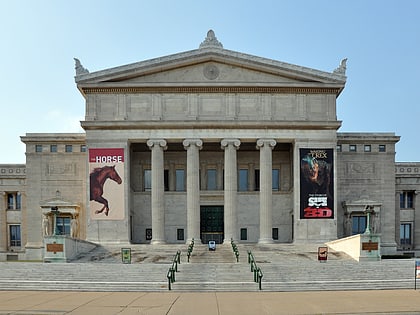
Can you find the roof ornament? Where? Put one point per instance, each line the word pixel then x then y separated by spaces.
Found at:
pixel 341 69
pixel 79 68
pixel 211 41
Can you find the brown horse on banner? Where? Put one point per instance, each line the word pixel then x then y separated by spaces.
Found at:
pixel 97 180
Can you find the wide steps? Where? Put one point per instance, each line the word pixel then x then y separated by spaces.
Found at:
pixel 284 268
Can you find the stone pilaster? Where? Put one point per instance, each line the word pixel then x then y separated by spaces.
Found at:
pixel 157 146
pixel 266 199
pixel 3 225
pixel 193 188
pixel 230 146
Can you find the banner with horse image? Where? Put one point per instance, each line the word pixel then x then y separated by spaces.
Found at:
pixel 316 184
pixel 106 174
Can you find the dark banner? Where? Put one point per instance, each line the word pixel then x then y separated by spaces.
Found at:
pixel 316 184
pixel 106 167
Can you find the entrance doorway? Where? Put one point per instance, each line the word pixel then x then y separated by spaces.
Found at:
pixel 211 224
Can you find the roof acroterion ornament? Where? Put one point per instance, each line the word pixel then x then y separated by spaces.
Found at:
pixel 342 67
pixel 79 68
pixel 211 41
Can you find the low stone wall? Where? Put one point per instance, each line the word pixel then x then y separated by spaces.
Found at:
pixel 58 248
pixel 361 247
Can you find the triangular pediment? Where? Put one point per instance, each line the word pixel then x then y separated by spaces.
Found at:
pixel 210 66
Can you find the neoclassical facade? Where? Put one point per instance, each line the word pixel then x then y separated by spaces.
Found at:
pixel 213 144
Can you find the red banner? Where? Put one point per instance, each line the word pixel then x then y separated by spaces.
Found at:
pixel 106 176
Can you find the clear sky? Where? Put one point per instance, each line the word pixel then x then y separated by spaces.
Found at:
pixel 39 39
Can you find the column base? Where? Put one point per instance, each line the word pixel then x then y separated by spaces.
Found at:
pixel 265 241
pixel 157 242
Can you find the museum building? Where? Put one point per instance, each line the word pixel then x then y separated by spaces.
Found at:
pixel 209 144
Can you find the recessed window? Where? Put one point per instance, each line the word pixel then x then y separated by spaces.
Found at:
pixel 14 231
pixel 352 148
pixel 147 180
pixel 257 180
pixel 275 179
pixel 367 148
pixel 358 224
pixel 180 234
pixel 382 148
pixel 38 148
pixel 63 225
pixel 211 179
pixel 338 147
pixel 405 234
pixel 69 148
pixel 243 180
pixel 83 148
pixel 180 180
pixel 407 200
pixel 53 148
pixel 148 234
pixel 244 234
pixel 275 233
pixel 14 201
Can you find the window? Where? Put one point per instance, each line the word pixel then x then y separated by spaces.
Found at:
pixel 382 148
pixel 275 233
pixel 358 224
pixel 83 148
pixel 352 148
pixel 276 179
pixel 14 201
pixel 180 234
pixel 53 148
pixel 257 180
pixel 407 200
pixel 211 179
pixel 69 148
pixel 244 234
pixel 166 180
pixel 180 180
pixel 38 148
pixel 15 235
pixel 243 180
pixel 405 234
pixel 367 148
pixel 338 147
pixel 63 226
pixel 147 180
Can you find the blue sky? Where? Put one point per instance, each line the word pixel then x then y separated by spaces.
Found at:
pixel 381 40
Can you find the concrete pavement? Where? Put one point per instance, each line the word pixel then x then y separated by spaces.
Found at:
pixel 211 303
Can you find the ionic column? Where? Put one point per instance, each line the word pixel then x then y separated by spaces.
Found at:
pixel 3 225
pixel 230 146
pixel 193 146
pixel 266 199
pixel 157 146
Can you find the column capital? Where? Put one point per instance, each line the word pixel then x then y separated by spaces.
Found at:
pixel 226 142
pixel 187 143
pixel 262 142
pixel 156 143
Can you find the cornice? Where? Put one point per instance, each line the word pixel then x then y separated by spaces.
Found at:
pixel 215 89
pixel 227 124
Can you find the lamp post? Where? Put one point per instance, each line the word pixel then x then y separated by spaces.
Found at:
pixel 369 211
pixel 54 210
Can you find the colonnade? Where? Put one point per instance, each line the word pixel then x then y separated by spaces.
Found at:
pixel 230 147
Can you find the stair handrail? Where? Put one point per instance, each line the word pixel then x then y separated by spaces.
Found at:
pixel 258 275
pixel 235 249
pixel 173 269
pixel 190 249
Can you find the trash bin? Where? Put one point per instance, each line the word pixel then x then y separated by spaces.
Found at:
pixel 126 255
pixel 212 245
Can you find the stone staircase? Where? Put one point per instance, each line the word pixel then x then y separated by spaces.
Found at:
pixel 285 267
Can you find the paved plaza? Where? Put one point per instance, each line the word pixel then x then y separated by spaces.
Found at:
pixel 211 303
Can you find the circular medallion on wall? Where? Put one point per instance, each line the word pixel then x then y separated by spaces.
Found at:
pixel 211 71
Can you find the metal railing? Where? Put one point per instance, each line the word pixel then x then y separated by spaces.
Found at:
pixel 173 269
pixel 190 249
pixel 258 275
pixel 235 249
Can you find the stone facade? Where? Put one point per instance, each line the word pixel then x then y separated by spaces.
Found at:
pixel 211 143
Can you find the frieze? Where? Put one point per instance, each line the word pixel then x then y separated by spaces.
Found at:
pixel 12 171
pixel 61 169
pixel 361 168
pixel 407 169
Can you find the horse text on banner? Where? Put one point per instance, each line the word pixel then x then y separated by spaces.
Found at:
pixel 106 174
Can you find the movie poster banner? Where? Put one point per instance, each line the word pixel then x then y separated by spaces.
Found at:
pixel 316 184
pixel 106 174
